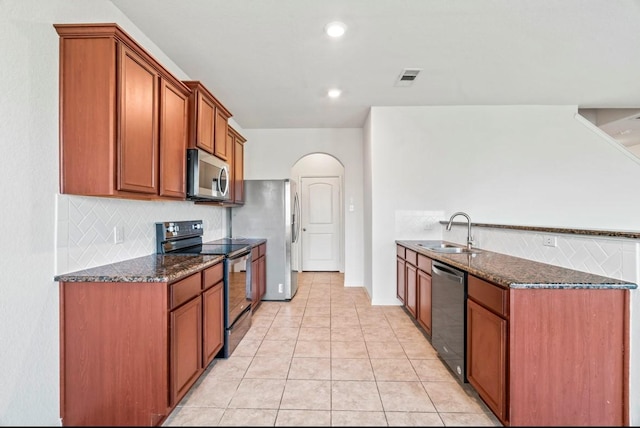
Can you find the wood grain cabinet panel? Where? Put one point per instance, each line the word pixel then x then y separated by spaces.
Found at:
pixel 213 328
pixel 114 123
pixel 401 285
pixel 411 296
pixel 424 301
pixel 186 348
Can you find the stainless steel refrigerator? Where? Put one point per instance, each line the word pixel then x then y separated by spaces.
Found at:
pixel 271 211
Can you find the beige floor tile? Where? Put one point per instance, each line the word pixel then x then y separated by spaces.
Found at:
pixel 341 333
pixel 315 333
pixel 318 311
pixel 373 320
pixel 258 394
pixel 194 416
pixel 287 321
pixel 233 367
pixel 450 397
pixel 409 334
pixel 351 369
pixel 247 348
pixel 341 418
pixel 414 419
pixel 432 370
pixel 268 368
pixel 418 349
pixel 349 350
pixel 345 320
pixel 388 349
pixel 310 368
pixel 301 418
pixel 404 397
pixel 316 321
pixel 248 417
pixel 393 369
pixel 469 419
pixel 212 392
pixel 355 395
pixel 306 348
pixel 307 395
pixel 282 333
pixel 276 348
pixel 378 334
pixel 292 310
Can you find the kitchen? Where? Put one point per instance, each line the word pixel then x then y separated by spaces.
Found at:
pixel 545 168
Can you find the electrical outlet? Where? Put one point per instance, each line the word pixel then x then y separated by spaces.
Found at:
pixel 550 241
pixel 280 288
pixel 118 234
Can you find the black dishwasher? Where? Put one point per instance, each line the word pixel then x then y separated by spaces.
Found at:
pixel 449 316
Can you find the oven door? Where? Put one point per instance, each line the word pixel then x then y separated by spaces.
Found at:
pixel 238 284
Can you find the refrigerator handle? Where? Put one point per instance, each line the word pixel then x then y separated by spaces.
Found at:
pixel 295 224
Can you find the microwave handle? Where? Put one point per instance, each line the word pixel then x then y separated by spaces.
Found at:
pixel 223 177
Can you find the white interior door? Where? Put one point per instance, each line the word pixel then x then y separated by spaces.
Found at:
pixel 320 197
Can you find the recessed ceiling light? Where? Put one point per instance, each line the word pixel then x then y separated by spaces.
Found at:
pixel 334 93
pixel 335 29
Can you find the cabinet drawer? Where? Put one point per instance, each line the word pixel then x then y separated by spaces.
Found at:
pixel 263 249
pixel 491 296
pixel 255 253
pixel 424 264
pixel 400 251
pixel 185 289
pixel 411 257
pixel 213 275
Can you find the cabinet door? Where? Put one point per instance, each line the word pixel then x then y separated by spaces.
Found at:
pixel 486 356
pixel 262 268
pixel 255 280
pixel 173 140
pixel 411 297
pixel 401 286
pixel 186 347
pixel 206 112
pixel 424 300
pixel 220 138
pixel 138 143
pixel 238 171
pixel 213 333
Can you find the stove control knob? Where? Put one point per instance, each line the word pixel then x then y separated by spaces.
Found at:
pixel 197 226
pixel 170 228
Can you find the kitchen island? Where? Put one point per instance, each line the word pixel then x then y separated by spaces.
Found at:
pixel 545 345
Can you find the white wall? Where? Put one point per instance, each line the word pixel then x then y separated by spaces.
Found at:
pixel 271 153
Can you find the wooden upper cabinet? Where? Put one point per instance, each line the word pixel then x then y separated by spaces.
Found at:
pixel 238 166
pixel 207 121
pixel 173 140
pixel 119 111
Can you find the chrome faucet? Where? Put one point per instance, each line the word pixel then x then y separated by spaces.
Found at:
pixel 469 237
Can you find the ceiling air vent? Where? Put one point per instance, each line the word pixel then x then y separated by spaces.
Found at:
pixel 407 76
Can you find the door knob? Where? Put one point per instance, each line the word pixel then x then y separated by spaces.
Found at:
pixel 304 229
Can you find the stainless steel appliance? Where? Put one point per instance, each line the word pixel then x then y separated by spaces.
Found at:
pixel 271 211
pixel 449 316
pixel 185 237
pixel 207 176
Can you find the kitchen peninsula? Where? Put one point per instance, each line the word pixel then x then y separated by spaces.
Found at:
pixel 545 345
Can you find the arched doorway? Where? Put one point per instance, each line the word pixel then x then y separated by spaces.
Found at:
pixel 319 179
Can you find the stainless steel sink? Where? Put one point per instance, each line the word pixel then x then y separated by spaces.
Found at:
pixel 443 247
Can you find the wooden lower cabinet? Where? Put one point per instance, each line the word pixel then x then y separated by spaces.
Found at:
pixel 258 273
pixel 186 347
pixel 401 285
pixel 549 357
pixel 130 351
pixel 487 356
pixel 411 297
pixel 424 301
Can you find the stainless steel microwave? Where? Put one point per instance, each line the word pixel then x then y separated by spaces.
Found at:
pixel 207 177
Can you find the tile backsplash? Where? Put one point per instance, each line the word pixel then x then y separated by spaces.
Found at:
pixel 85 228
pixel 612 257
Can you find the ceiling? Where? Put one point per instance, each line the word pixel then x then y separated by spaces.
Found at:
pixel 270 63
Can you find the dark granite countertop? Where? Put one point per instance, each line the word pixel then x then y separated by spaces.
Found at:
pixel 152 268
pixel 516 272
